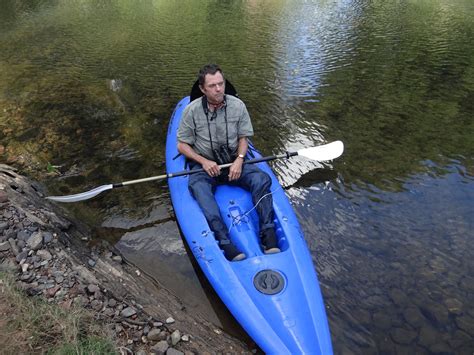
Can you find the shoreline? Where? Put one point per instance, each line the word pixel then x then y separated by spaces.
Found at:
pixel 45 248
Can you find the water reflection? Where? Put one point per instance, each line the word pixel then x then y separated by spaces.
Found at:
pixel 90 85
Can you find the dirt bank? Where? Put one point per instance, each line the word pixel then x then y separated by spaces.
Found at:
pixel 48 252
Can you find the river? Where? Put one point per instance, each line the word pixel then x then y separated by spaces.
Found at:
pixel 87 89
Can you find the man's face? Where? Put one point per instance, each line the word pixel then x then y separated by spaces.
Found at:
pixel 214 88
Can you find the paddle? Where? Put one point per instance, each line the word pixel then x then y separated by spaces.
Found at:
pixel 320 153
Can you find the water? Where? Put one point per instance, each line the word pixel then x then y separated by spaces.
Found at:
pixel 89 86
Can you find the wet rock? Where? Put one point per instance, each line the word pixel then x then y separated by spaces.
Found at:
pixel 403 336
pixel 382 320
pixel 454 305
pixel 175 337
pixel 436 312
pixel 35 241
pixel 413 316
pixel 460 339
pixel 428 336
pixel 128 312
pixel 160 347
pixel 466 323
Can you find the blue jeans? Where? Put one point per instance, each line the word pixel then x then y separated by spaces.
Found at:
pixel 252 179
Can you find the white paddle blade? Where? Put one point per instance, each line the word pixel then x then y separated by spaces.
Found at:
pixel 82 196
pixel 323 152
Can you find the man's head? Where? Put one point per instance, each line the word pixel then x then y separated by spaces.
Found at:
pixel 212 83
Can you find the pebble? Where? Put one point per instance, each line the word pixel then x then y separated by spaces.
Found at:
pixel 170 320
pixel 128 312
pixel 160 347
pixel 4 246
pixel 175 337
pixel 35 241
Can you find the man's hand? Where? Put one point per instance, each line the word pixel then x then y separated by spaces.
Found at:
pixel 235 169
pixel 211 168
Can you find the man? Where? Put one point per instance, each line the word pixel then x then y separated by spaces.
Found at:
pixel 214 131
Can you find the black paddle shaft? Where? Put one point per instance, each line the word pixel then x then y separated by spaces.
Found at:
pixel 252 161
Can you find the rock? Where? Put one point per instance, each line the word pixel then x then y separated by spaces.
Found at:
pixel 172 351
pixel 160 347
pixel 91 288
pixel 413 316
pixel 128 312
pixel 403 336
pixel 24 267
pixel 169 320
pixel 96 305
pixel 154 335
pixel 13 246
pixel 52 291
pixel 23 235
pixel 428 336
pixel 466 323
pixel 21 256
pixel 4 246
pixel 117 258
pixel 112 302
pixel 185 338
pixel 382 320
pixel 175 337
pixel 436 312
pixel 47 237
pixel 91 263
pixel 3 196
pixel 3 226
pixel 454 305
pixel 44 254
pixel 35 241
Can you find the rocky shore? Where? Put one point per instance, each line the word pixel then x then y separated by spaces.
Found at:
pixel 49 253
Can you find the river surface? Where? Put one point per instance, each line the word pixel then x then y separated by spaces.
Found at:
pixel 87 89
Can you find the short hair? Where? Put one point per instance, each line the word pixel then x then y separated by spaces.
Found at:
pixel 208 69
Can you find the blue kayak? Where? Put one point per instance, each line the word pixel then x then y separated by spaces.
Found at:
pixel 275 298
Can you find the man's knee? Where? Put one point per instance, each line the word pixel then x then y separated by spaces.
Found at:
pixel 199 186
pixel 260 180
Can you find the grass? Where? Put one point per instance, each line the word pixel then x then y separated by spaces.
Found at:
pixel 30 325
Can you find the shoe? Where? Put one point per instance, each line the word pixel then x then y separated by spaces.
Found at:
pixel 232 253
pixel 272 251
pixel 269 241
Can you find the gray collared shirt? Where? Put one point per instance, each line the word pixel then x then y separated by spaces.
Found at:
pixel 195 126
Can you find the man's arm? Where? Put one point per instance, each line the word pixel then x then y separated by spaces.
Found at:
pixel 235 169
pixel 209 166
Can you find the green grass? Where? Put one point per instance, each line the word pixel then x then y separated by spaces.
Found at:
pixel 30 325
